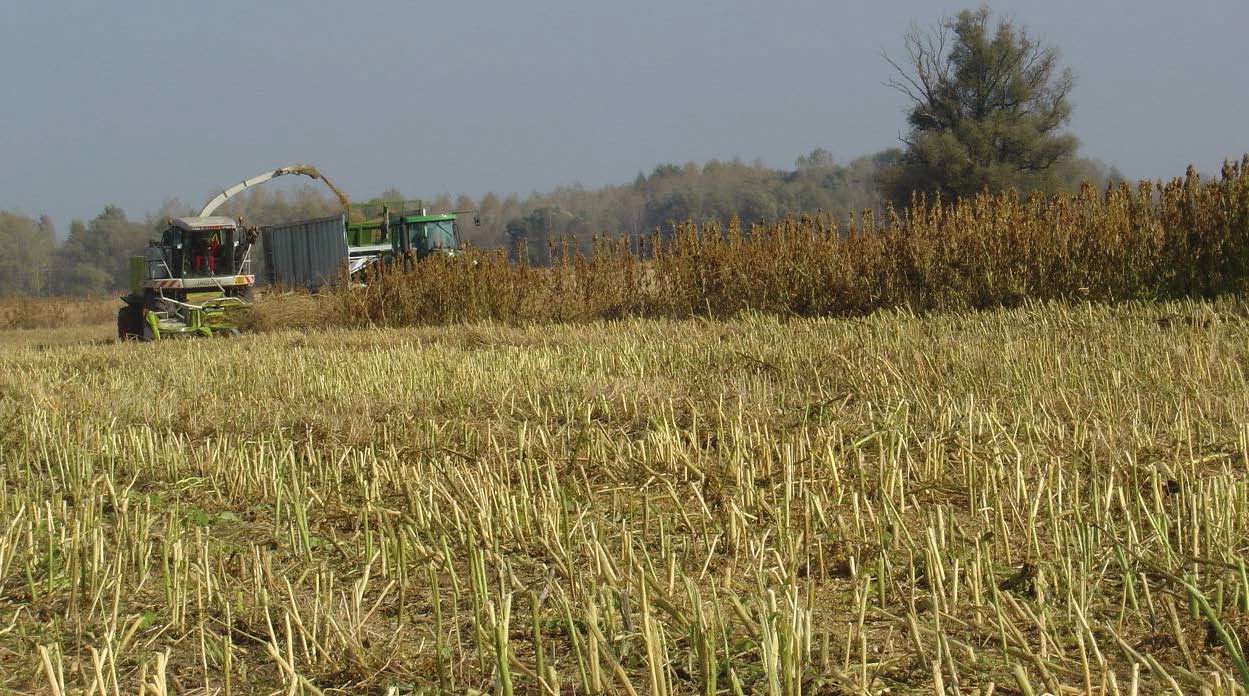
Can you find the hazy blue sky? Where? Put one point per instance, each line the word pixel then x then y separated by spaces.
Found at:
pixel 131 102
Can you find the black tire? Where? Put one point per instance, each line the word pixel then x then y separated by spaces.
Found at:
pixel 130 323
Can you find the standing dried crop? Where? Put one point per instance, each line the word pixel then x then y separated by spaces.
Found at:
pixel 1185 238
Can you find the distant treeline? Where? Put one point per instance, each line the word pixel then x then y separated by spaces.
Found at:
pixel 93 257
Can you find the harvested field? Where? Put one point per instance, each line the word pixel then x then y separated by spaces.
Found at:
pixel 1051 498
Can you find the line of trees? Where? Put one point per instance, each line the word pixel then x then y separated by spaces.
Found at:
pixel 91 260
pixel 988 108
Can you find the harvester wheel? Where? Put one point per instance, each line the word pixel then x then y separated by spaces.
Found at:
pixel 130 323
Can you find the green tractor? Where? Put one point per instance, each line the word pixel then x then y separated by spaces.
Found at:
pixel 189 281
pixel 415 234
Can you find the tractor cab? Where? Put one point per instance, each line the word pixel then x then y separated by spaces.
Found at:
pixel 426 234
pixel 434 234
pixel 389 237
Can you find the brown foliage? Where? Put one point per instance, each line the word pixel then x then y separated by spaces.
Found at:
pixel 56 312
pixel 1179 239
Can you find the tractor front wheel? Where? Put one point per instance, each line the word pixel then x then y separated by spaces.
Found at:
pixel 130 323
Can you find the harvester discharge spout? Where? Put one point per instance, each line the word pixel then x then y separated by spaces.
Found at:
pixel 302 169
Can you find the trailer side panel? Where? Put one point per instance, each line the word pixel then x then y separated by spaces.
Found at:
pixel 306 254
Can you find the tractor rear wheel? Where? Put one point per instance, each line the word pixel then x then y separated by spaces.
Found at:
pixel 130 323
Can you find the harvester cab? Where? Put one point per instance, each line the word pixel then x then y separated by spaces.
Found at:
pixel 187 282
